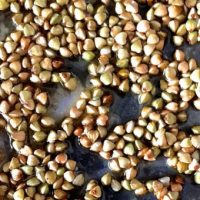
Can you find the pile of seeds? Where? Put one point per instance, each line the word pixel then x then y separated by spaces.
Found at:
pixel 124 50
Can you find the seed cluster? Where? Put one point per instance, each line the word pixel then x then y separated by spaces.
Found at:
pixel 93 191
pixel 124 50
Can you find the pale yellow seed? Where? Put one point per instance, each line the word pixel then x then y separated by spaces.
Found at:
pixel 4 4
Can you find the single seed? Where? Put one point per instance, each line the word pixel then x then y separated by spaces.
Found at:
pixel 88 56
pixel 106 179
pixel 79 180
pixel 196 129
pixel 36 50
pixel 4 4
pixel 32 160
pixel 28 30
pixel 54 43
pixel 41 3
pixel 143 26
pixel 121 38
pixel 115 185
pixel 33 182
pixel 79 14
pixel 106 78
pixel 50 177
pixel 197 177
pixel 19 195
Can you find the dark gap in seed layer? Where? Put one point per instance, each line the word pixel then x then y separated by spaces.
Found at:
pixel 191 51
pixel 78 67
pixel 143 9
pixel 156 83
pixel 193 120
pixel 90 163
pixel 190 190
pixel 6 22
pixel 6 150
pixel 109 194
pixel 154 170
pixel 169 47
pixel 87 160
pixel 125 107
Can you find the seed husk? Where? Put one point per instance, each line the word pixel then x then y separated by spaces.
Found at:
pixel 33 182
pixel 32 160
pixel 14 7
pixel 121 38
pixel 129 149
pixel 143 26
pixel 79 14
pixel 197 104
pixel 100 18
pixel 96 192
pixel 28 170
pixel 54 43
pixel 88 56
pixel 4 178
pixel 160 10
pixel 197 177
pixel 192 37
pixel 195 141
pixel 136 46
pixel 152 39
pixel 47 121
pixel 106 179
pixel 108 146
pixel 144 98
pixel 124 162
pixel 69 176
pixel 19 194
pixel 126 185
pixel 41 3
pixel 50 177
pixel 28 30
pixel 60 194
pixel 39 136
pixel 36 50
pixel 106 78
pixel 19 136
pixel 187 95
pixel 178 40
pixel 195 76
pixel 115 185
pixel 79 180
pixel 44 189
pixel 191 25
pixel 124 86
pixel 4 4
pixel 196 129
pixel 5 73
